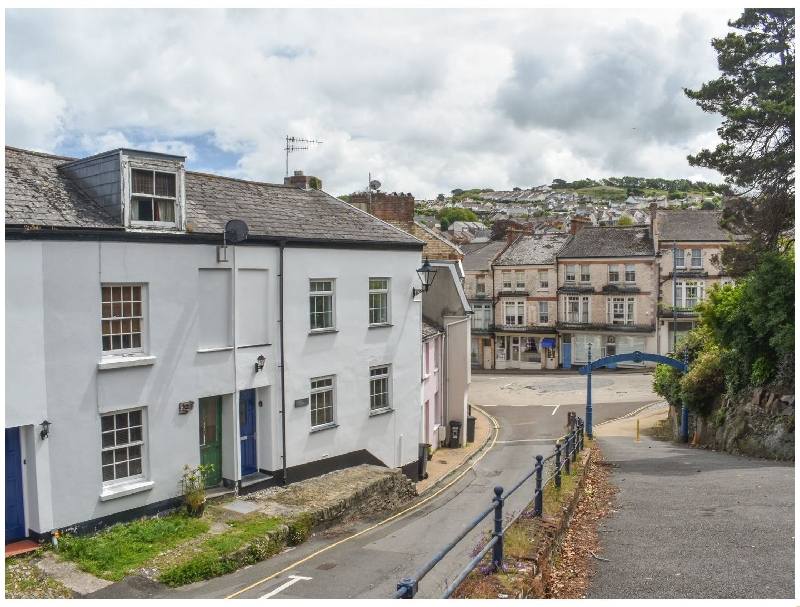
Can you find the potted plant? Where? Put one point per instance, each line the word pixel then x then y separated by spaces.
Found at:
pixel 193 488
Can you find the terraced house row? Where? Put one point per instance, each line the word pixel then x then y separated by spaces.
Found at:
pixel 542 301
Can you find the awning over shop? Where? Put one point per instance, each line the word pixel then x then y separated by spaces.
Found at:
pixel 548 342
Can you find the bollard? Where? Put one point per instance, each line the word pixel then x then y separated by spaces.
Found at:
pixel 537 509
pixel 558 465
pixel 637 431
pixel 497 549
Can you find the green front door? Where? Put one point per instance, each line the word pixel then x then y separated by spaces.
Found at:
pixel 211 437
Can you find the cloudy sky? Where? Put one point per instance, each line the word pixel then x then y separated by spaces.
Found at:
pixel 424 100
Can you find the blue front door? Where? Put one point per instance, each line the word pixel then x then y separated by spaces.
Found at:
pixel 567 356
pixel 247 430
pixel 15 510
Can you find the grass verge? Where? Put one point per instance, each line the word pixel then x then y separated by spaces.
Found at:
pixel 114 553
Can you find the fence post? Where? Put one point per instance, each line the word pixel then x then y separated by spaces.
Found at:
pixel 558 465
pixel 567 452
pixel 575 440
pixel 582 435
pixel 411 588
pixel 497 549
pixel 537 509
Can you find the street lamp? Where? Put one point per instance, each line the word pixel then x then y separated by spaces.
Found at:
pixel 426 275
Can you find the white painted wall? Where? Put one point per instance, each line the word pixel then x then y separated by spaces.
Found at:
pixel 349 353
pixel 53 347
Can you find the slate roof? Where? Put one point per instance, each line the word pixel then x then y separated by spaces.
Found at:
pixel 538 249
pixel 479 256
pixel 37 194
pixel 429 330
pixel 609 242
pixel 690 226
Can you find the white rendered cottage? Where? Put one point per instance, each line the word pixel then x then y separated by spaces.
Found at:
pixel 148 341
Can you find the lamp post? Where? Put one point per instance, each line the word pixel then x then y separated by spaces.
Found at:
pixel 589 396
pixel 684 410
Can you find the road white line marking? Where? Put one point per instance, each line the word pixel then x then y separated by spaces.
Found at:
pixel 527 440
pixel 554 410
pixel 293 580
pixel 507 385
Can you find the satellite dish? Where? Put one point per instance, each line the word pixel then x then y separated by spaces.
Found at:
pixel 235 231
pixel 374 184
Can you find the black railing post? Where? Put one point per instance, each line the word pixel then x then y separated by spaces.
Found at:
pixel 558 465
pixel 537 509
pixel 567 452
pixel 497 549
pixel 581 432
pixel 411 588
pixel 575 439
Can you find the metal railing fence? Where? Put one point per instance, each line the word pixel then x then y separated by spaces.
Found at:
pixel 565 453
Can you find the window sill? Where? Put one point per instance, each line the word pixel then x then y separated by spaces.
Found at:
pixel 119 362
pixel 223 349
pixel 253 346
pixel 379 325
pixel 380 412
pixel 319 331
pixel 110 493
pixel 325 427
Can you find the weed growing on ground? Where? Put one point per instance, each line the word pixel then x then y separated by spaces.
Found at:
pixel 114 553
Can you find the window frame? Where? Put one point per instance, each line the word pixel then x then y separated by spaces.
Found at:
pixel 141 443
pixel 627 313
pixel 630 272
pixel 519 280
pixel 544 285
pixel 122 319
pixel 480 284
pixel 506 277
pixel 153 198
pixel 544 318
pixel 321 294
pixel 680 258
pixel 587 276
pixel 378 292
pixel 516 306
pixel 613 271
pixel 581 309
pixel 314 408
pixel 386 377
pixel 482 318
pixel 569 273
pixel 696 257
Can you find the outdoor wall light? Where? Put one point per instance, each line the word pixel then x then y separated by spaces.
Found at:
pixel 426 276
pixel 260 362
pixel 45 429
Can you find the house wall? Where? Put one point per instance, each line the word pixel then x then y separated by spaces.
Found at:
pixel 458 370
pixel 349 353
pixel 432 388
pixel 56 370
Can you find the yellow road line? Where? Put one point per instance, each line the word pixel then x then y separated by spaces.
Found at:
pixel 375 526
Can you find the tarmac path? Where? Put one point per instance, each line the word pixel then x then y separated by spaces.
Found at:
pixel 693 523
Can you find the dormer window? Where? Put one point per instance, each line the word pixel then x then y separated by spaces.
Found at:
pixel 153 196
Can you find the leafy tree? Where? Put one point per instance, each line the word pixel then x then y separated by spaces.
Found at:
pixel 755 97
pixel 440 198
pixel 456 192
pixel 753 324
pixel 625 220
pixel 456 214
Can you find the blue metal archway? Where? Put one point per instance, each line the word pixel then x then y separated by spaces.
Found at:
pixel 636 357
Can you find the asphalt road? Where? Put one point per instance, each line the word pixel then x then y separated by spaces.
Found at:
pixel 694 524
pixel 532 412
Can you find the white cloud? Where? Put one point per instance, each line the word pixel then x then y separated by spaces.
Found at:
pixel 34 112
pixel 426 100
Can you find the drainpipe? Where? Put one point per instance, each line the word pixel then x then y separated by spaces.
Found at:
pixel 283 360
pixel 237 452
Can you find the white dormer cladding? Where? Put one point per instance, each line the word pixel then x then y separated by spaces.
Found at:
pixel 107 178
pixel 153 190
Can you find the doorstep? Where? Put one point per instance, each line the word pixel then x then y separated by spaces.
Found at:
pixel 20 547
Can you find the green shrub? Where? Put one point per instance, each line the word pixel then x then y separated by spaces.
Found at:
pixel 299 528
pixel 703 384
pixel 203 567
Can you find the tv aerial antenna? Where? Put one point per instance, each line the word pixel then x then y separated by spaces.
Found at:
pixel 374 186
pixel 295 144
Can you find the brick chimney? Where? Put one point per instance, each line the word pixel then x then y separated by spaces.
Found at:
pixel 577 223
pixel 388 207
pixel 304 182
